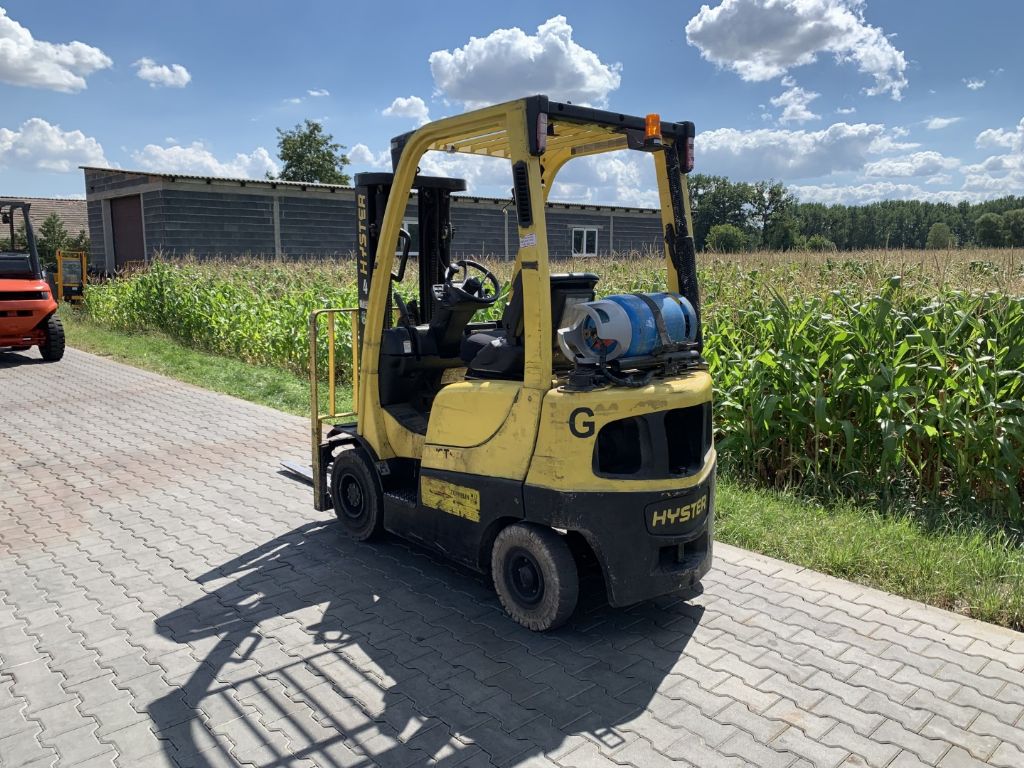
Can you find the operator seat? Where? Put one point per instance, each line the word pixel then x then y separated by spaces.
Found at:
pixel 499 353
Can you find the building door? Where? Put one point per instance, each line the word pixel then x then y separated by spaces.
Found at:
pixel 126 227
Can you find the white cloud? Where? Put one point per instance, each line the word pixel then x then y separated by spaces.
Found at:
pixel 940 178
pixel 998 137
pixel 38 145
pixel 860 194
pixel 763 39
pixel 785 154
pixel 795 103
pixel 362 155
pixel 486 176
pixel 196 159
pixel 38 64
pixel 1003 174
pixel 168 76
pixel 889 142
pixel 846 110
pixel 409 106
pixel 616 178
pixel 315 92
pixel 508 64
pixel 973 84
pixel 938 123
pixel 293 100
pixel 926 163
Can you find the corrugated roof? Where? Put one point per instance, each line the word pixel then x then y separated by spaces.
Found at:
pixel 72 211
pixel 273 183
pixel 248 182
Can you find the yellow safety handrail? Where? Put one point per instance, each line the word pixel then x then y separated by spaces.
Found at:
pixel 317 418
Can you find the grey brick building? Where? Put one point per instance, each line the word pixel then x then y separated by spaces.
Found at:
pixel 134 214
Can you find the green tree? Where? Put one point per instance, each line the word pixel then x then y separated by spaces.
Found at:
pixel 1013 221
pixel 52 237
pixel 781 234
pixel 772 213
pixel 726 238
pixel 988 230
pixel 820 243
pixel 20 241
pixel 308 154
pixel 79 242
pixel 939 236
pixel 716 200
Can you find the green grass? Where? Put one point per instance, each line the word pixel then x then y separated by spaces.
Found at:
pixel 978 572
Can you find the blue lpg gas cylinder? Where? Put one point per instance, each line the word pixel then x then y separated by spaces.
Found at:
pixel 624 325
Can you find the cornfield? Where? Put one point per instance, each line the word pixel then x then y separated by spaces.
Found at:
pixel 885 377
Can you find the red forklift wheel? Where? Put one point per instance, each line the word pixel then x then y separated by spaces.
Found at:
pixel 356 494
pixel 535 576
pixel 52 349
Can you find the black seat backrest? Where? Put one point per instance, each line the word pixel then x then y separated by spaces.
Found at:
pixel 512 316
pixel 566 289
pixel 15 265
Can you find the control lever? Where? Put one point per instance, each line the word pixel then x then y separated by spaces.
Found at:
pixel 404 316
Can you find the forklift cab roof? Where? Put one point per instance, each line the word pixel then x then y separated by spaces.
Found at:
pixel 562 129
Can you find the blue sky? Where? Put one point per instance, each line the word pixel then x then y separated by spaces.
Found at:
pixel 843 100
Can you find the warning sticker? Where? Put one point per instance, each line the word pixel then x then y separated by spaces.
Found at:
pixel 528 241
pixel 454 499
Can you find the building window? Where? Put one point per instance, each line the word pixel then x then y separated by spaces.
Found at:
pixel 584 241
pixel 412 226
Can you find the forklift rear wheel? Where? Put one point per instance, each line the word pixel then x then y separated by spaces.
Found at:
pixel 356 494
pixel 535 576
pixel 52 349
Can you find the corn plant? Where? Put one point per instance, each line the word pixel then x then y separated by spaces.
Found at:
pixel 831 375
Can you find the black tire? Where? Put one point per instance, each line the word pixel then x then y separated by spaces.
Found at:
pixel 535 576
pixel 356 494
pixel 52 349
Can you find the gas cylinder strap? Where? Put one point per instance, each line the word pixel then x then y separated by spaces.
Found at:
pixel 664 340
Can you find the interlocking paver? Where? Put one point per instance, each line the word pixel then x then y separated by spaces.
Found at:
pixel 868 751
pixel 1007 756
pixel 184 605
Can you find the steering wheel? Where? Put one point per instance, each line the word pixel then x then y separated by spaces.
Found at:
pixel 482 290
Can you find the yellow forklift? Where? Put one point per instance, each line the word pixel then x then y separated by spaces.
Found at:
pixel 570 433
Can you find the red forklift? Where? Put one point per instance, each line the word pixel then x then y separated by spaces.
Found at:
pixel 27 305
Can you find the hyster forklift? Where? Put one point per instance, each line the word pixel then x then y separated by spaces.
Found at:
pixel 27 304
pixel 569 435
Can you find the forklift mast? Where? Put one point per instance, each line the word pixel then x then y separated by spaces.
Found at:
pixel 433 244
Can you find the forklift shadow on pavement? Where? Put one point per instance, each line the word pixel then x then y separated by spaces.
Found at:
pixel 313 649
pixel 16 359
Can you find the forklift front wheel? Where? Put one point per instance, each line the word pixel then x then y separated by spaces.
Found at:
pixel 356 494
pixel 535 576
pixel 52 349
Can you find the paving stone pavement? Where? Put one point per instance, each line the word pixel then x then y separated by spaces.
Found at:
pixel 168 599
